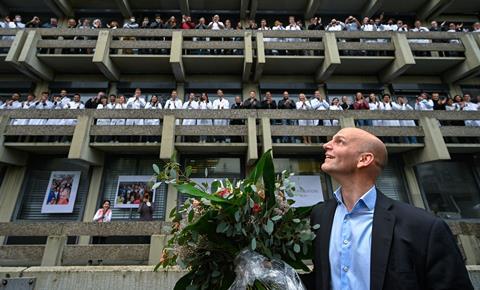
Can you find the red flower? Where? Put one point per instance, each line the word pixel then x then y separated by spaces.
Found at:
pixel 256 208
pixel 224 192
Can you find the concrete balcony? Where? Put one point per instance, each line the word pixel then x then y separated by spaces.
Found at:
pixel 43 54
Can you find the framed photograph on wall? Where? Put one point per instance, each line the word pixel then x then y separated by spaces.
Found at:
pixel 131 189
pixel 61 192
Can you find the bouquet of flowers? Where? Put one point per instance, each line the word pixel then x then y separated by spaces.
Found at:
pixel 245 235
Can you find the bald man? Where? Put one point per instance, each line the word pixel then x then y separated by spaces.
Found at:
pixel 369 241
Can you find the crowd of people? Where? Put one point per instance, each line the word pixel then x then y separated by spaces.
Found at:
pixel 351 23
pixel 193 101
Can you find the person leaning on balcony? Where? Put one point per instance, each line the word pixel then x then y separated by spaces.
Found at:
pixel 34 23
pixel 171 23
pixel 103 106
pixel 13 103
pixel 424 103
pixel 438 103
pixel 52 24
pixel 103 215
pixel 145 209
pixel 346 105
pixel 304 104
pixel 405 106
pixel 469 106
pixel 187 22
pixel 374 105
pixel 204 104
pixel 361 104
pixel 476 27
pixel 320 104
pixel 287 104
pixel 252 102
pixel 154 104
pixel 221 103
pixel 157 23
pixel 365 240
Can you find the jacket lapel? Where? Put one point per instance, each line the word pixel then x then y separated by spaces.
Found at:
pixel 325 231
pixel 382 234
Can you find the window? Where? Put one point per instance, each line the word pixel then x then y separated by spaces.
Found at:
pixel 451 188
pixel 136 165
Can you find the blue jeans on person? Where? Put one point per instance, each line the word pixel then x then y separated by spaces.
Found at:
pixel 288 139
pixel 363 122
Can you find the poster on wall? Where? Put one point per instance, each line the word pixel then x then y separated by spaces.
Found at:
pixel 131 189
pixel 308 190
pixel 61 192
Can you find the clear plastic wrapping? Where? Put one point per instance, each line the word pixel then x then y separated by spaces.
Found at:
pixel 276 274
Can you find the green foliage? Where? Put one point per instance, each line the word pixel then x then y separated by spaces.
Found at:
pixel 211 228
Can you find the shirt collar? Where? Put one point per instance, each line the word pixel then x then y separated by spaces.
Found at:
pixel 368 199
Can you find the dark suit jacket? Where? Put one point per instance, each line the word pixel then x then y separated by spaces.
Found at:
pixel 411 249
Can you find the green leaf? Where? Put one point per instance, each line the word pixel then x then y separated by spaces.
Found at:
pixel 185 281
pixel 156 168
pixel 215 186
pixel 296 248
pixel 188 171
pixel 216 274
pixel 190 215
pixel 296 221
pixel 194 191
pixel 316 227
pixel 221 227
pixel 269 227
pixel 276 218
pixel 253 244
pixel 237 216
pixel 174 157
pixel 156 185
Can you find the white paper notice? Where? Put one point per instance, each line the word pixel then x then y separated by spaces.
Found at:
pixel 308 190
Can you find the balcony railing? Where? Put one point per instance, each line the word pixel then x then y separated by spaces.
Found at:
pixel 44 52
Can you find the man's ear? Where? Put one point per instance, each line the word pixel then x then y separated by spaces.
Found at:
pixel 365 160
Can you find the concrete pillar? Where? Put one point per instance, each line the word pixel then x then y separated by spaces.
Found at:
pixel 260 57
pixel 470 66
pixel 10 192
pixel 346 122
pixel 172 200
pixel 266 134
pixel 471 248
pixel 157 244
pixel 167 147
pixel 435 147
pixel 14 53
pixel 248 53
pixel 40 87
pixel 93 196
pixel 80 147
pixel 28 57
pixel 176 60
pixel 403 59
pixel 52 255
pixel 181 91
pixel 415 195
pixel 101 57
pixel 454 89
pixel 247 87
pixel 113 88
pixel 331 60
pixel 252 152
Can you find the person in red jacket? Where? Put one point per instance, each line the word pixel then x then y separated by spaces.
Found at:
pixel 361 104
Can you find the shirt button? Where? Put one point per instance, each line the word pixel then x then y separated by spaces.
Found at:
pixel 345 242
pixel 345 269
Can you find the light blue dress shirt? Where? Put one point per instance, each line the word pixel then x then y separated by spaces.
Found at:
pixel 351 242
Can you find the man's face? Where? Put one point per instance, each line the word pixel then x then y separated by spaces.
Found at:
pixel 63 93
pixel 138 92
pixel 191 96
pixel 434 24
pixel 174 95
pixel 341 153
pixel 253 95
pixel 30 98
pixel 435 97
pixel 15 97
pixel 268 96
pixel 238 100
pixel 285 95
pixel 112 99
pixel 466 98
pixel 220 93
pixel 317 95
pixel 44 97
pixel 76 98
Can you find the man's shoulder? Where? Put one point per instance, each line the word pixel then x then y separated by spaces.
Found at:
pixel 408 213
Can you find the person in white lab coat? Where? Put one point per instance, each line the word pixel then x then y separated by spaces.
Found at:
pixel 204 104
pixel 12 104
pixel 335 106
pixel 405 106
pixel 424 103
pixel 320 104
pixel 374 105
pixel 136 102
pixel 28 104
pixel 174 103
pixel 120 105
pixel 75 104
pixel 57 105
pixel 220 104
pixel 154 104
pixel 103 105
pixel 469 106
pixel 65 98
pixel 112 102
pixel 42 104
pixel 191 104
pixel 304 104
pixel 388 105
